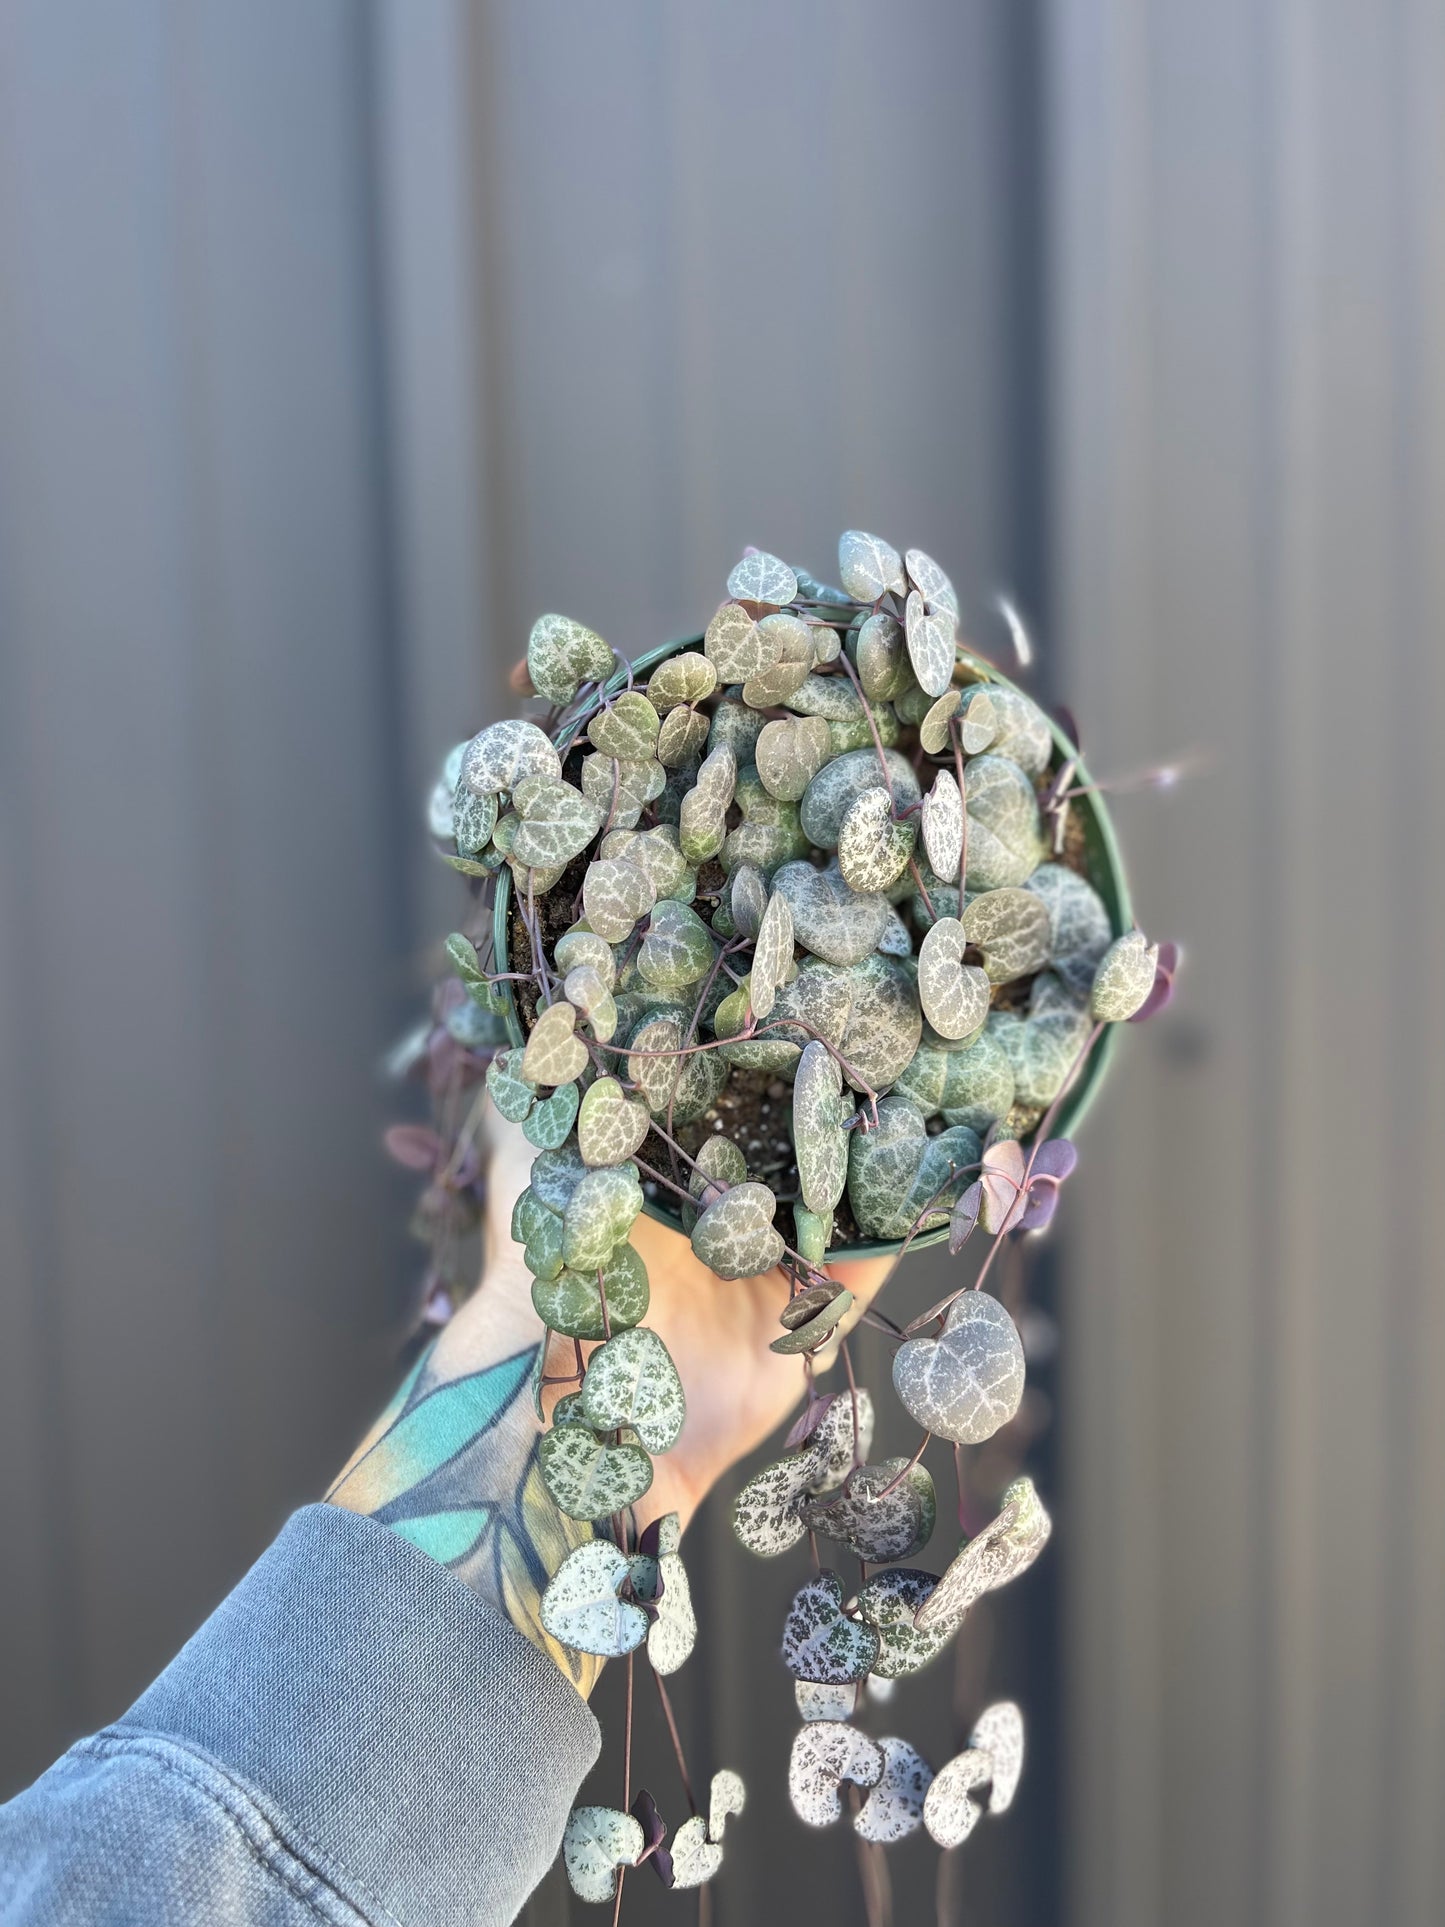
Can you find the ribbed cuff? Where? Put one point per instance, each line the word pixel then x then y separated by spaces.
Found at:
pixel 417 1744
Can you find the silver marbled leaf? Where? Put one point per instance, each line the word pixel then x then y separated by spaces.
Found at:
pixel 656 852
pixel 819 1641
pixel 1006 1547
pixel 621 790
pixel 1124 979
pixel 967 1382
pixel 627 728
pixel 874 849
pixel 511 1090
pixel 610 1124
pixel 894 1808
pixel 557 822
pixel 789 753
pixel 631 1380
pixel 726 1797
pixel 549 1122
pixel 471 819
pixel 588 1477
pixel 579 945
pixel 930 644
pixel 999 1732
pixel 761 577
pixel 880 651
pixel 930 581
pixel 677 950
pixel 695 1858
pixel 1010 928
pixel 615 893
pixel 950 1812
pixel 889 1601
pixel 599 1214
pixel 943 825
pixel 561 654
pixel 839 784
pixel 825 1754
pixel 765 1513
pixel 554 1053
pixel 684 678
pixel 598 1841
pixel 590 997
pixel 971 1085
pixel 736 646
pixel 869 567
pixel 1005 835
pixel 1021 730
pixel 831 1444
pixel 686 1083
pixel 581 1605
pixel 955 995
pixel 832 921
pixel 877 1514
pixel 979 725
pixel 735 1237
pixel 1079 927
pixel 899 1175
pixel 504 754
pixel 748 896
pixel 791 641
pixel 572 1301
pixel 663 1583
pixel 933 730
pixel 772 955
pixel 817 1702
pixel 682 738
pixel 819 1139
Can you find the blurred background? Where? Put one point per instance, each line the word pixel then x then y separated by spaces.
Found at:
pixel 339 338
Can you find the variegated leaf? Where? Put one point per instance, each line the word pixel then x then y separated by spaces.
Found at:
pixel 766 1511
pixel 873 849
pixel 554 1053
pixel 820 1642
pixel 561 654
pixel 889 1602
pixel 930 581
pixel 588 1478
pixel 597 1842
pixel 930 645
pixel 872 1520
pixel 631 1380
pixel 999 1732
pixel 735 1237
pixel 1124 978
pixel 627 728
pixel 736 646
pixel 599 1214
pixel 1011 929
pixel 685 678
pixel 869 567
pixel 950 1811
pixel 825 1754
pixel 582 1608
pixel 504 754
pixel 610 1125
pixel 761 577
pixel 1006 1547
pixel 819 1140
pixel 967 1382
pixel 894 1808
pixel 954 995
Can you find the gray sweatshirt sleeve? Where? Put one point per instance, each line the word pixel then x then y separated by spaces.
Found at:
pixel 353 1736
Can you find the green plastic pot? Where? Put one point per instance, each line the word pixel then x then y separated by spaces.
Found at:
pixel 1106 873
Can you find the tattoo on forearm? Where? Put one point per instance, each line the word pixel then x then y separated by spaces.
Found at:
pixel 452 1466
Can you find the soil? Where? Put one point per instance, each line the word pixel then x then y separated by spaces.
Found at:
pixel 754 1107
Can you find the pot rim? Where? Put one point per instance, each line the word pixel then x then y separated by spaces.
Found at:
pixel 1106 873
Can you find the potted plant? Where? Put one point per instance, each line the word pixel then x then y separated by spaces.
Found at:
pixel 807 936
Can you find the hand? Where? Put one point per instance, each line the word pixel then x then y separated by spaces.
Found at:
pixel 718 1331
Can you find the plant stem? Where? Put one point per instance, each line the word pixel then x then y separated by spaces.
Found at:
pixel 671 1719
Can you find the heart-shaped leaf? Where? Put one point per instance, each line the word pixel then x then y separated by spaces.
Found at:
pixel 506 753
pixel 838 785
pixel 772 955
pixel 967 1382
pixel 943 825
pixel 1003 1199
pixel 894 1808
pixel 1124 979
pixel 930 644
pixel 811 1321
pixel 818 1137
pixel 999 1732
pixel 685 1084
pixel 881 654
pixel 590 997
pixel 972 1085
pixel 899 1176
pixel 817 1702
pixel 599 1215
pixel 549 1123
pixel 736 646
pixel 830 1441
pixel 631 1380
pixel 1005 838
pixel 471 819
pixel 825 1754
pixel 579 946
pixel 954 995
pixel 727 1796
pixel 677 950
pixel 869 567
pixel 610 1125
pixel 557 822
pixel 761 577
pixel 735 1237
pixel 554 1053
pixel 720 1163
pixel 889 1601
pixel 684 678
pixel 589 1478
pixel 873 849
pixel 1012 931
pixel 582 1608
pixel 694 1857
pixel 736 727
pixel 627 728
pixel 615 893
pixel 561 654
pixel 511 1091
pixel 933 730
pixel 790 752
pixel 556 1175
pixel 790 641
pixel 1165 972
pixel 682 738
pixel 597 1842
pixel 829 919
pixel 1022 730
pixel 657 853
pixel 930 581
pixel 765 1513
pixel 674 1630
pixel 980 723
pixel 950 1812
pixel 1005 1548
pixel 883 1512
pixel 748 896
pixel 820 1642
pixel 621 789
pixel 571 1302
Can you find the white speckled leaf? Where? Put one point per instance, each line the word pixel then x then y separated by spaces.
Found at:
pixel 627 728
pixel 894 1808
pixel 873 1522
pixel 818 1138
pixel 684 678
pixel 790 751
pixel 761 577
pixel 765 1512
pixel 1005 838
pixel 682 738
pixel 695 1859
pixel 472 819
pixel 674 1630
pixel 873 850
pixel 881 655
pixel 1011 928
pixel 943 825
pixel 561 654
pixel 748 899
pixel 615 893
pixel 736 646
pixel 966 1383
pixel 819 1641
pixel 791 643
pixel 582 946
pixel 980 723
pixel 593 1001
pixel 735 1237
pixel 1124 978
pixel 950 1812
pixel 556 1175
pixel 589 1478
pixel 830 1445
pixel 816 1324
pixel 999 1732
pixel 933 730
pixel 511 1091
pixel 631 1380
pixel 727 1796
pixel 869 567
pixel 557 822
pixel 1080 931
pixel 832 921
pixel 1022 730
pixel 554 1053
pixel 686 1083
pixel 930 581
pixel 504 754
pixel 599 1215
pixel 818 1702
pixel 930 644
pixel 889 1601
pixel 621 789
pixel 581 1606
pixel 597 1842
pixel 897 1172
pixel 954 995
pixel 825 1754
pixel 549 1122
pixel 1006 1547
pixel 571 1302
pixel 610 1125
pixel 839 784
pixel 772 955
pixel 677 950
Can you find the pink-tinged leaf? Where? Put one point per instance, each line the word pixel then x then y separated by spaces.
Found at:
pixel 965 1218
pixel 1004 1199
pixel 654 1827
pixel 1165 971
pixel 808 1421
pixel 416 1146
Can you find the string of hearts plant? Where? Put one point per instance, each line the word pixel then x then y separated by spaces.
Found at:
pixel 811 944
